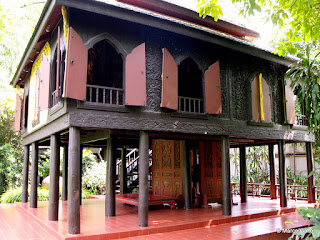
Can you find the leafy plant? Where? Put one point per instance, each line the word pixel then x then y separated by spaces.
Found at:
pixel 94 178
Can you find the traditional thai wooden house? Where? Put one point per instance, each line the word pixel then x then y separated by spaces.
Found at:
pixel 155 76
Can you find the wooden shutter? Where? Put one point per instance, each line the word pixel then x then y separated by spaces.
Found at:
pixel 76 67
pixel 135 81
pixel 44 83
pixel 266 101
pixel 17 114
pixel 213 89
pixel 169 96
pixel 289 106
pixel 255 99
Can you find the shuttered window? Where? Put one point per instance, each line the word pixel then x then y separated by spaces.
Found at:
pixel 76 67
pixel 135 77
pixel 289 106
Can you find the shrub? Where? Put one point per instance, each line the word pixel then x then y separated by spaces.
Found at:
pixel 12 195
pixel 94 178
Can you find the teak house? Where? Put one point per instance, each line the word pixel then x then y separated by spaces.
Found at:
pixel 154 76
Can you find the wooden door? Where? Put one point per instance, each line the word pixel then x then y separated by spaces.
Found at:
pixel 211 170
pixel 167 168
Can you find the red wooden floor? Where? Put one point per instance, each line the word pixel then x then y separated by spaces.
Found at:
pixel 257 217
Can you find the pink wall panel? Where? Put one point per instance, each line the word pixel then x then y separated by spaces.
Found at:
pixel 44 83
pixel 135 77
pixel 290 108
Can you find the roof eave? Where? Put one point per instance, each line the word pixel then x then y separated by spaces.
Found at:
pixel 45 15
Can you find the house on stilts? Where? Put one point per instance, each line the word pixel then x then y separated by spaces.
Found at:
pixel 150 75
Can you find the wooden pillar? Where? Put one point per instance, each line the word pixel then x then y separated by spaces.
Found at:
pixel 81 172
pixel 123 173
pixel 226 183
pixel 143 178
pixel 311 189
pixel 111 179
pixel 282 174
pixel 54 177
pixel 186 175
pixel 65 174
pixel 273 188
pixel 243 174
pixel 25 173
pixel 34 175
pixel 74 181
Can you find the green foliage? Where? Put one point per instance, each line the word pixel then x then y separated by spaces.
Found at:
pixel 10 151
pixel 44 164
pixel 85 193
pixel 313 232
pixel 12 196
pixel 94 178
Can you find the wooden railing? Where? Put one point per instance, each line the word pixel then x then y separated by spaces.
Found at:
pixel 295 192
pixel 105 95
pixel 54 100
pixel 301 120
pixel 190 105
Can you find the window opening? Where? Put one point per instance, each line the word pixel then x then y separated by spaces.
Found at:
pixel 190 96
pixel 105 74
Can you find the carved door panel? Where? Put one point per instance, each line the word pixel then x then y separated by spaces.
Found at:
pixel 167 168
pixel 210 168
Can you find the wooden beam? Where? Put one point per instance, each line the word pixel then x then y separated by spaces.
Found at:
pixel 25 174
pixel 74 181
pixel 34 176
pixel 273 188
pixel 226 182
pixel 95 136
pixel 65 174
pixel 282 174
pixel 110 201
pixel 143 179
pixel 311 188
pixel 243 174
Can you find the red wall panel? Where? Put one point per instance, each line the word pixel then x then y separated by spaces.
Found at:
pixel 135 81
pixel 213 89
pixel 169 96
pixel 76 67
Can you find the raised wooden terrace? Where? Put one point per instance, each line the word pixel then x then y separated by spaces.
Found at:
pixel 258 217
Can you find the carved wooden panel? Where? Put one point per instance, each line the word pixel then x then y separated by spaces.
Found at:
pixel 167 168
pixel 210 169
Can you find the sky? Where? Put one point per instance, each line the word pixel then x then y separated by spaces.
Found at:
pixel 231 14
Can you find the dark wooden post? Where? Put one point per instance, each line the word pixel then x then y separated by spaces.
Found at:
pixel 81 172
pixel 243 174
pixel 54 177
pixel 311 190
pixel 65 174
pixel 123 173
pixel 226 183
pixel 282 174
pixel 25 173
pixel 186 175
pixel 34 176
pixel 111 179
pixel 74 181
pixel 143 178
pixel 273 188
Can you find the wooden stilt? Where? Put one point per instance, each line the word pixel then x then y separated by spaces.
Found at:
pixel 143 178
pixel 81 172
pixel 311 189
pixel 25 173
pixel 273 188
pixel 186 175
pixel 123 173
pixel 74 181
pixel 34 176
pixel 282 174
pixel 111 181
pixel 54 177
pixel 226 183
pixel 65 174
pixel 243 174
